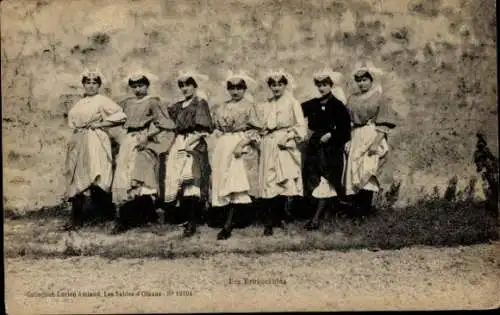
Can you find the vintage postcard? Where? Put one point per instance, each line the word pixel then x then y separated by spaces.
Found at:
pixel 180 156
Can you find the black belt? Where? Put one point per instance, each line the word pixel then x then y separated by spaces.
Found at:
pixel 276 129
pixel 134 129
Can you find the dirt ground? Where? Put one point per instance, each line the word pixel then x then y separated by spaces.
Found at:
pixel 411 278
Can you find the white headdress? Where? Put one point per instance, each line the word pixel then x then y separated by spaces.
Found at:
pixel 250 82
pixel 92 74
pixel 197 77
pixel 139 74
pixel 280 73
pixel 369 67
pixel 337 80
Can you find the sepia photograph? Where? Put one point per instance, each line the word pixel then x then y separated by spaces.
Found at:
pixel 200 156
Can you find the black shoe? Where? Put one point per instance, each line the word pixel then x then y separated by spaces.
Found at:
pixel 345 203
pixel 281 225
pixel 311 226
pixel 268 231
pixel 70 227
pixel 118 229
pixel 189 230
pixel 224 234
pixel 288 217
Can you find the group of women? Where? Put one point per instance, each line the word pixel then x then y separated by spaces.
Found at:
pixel 163 156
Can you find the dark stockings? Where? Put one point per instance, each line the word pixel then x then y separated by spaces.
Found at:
pixel 140 210
pixel 162 173
pixel 77 207
pixel 225 233
pixel 323 203
pixel 102 204
pixel 96 205
pixel 287 210
pixel 275 212
pixel 194 207
pixel 363 203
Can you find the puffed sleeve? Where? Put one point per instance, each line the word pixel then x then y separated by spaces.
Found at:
pixel 387 118
pixel 300 127
pixel 203 119
pixel 215 114
pixel 251 134
pixel 71 120
pixel 254 121
pixel 173 111
pixel 161 116
pixel 111 111
pixel 123 104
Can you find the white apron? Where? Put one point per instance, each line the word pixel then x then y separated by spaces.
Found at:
pixel 125 164
pixel 179 169
pixel 361 170
pixel 229 176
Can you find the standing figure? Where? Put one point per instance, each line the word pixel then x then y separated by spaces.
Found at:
pixel 234 159
pixel 187 167
pixel 282 127
pixel 373 119
pixel 89 160
pixel 136 180
pixel 330 123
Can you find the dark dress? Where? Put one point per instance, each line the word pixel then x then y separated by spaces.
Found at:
pixel 325 114
pixel 188 120
pixel 139 169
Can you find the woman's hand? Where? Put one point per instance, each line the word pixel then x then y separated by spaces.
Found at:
pixel 142 143
pixel 102 124
pixel 347 146
pixel 95 125
pixel 262 132
pixel 217 133
pixel 289 137
pixel 242 148
pixel 373 149
pixel 326 137
pixel 191 141
pixel 238 152
pixel 282 143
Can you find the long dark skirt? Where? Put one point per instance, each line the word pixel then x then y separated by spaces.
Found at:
pixel 322 159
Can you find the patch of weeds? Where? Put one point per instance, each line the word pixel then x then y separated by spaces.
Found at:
pixel 100 39
pixel 337 7
pixel 60 210
pixel 439 222
pixel 401 35
pixel 96 42
pixel 428 8
pixel 88 50
pixel 70 250
pixel 451 190
pixel 13 156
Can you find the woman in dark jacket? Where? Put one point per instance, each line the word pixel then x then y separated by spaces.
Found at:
pixel 329 121
pixel 187 167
